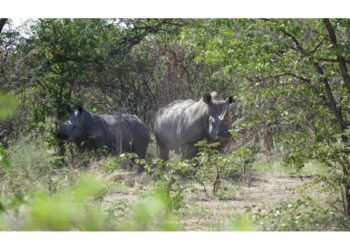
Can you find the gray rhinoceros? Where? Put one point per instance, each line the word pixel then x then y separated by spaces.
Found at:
pixel 118 132
pixel 182 123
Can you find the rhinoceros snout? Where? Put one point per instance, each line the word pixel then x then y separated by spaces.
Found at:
pixel 214 136
pixel 62 136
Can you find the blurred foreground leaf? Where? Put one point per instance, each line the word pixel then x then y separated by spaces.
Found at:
pixel 243 223
pixel 154 213
pixel 4 161
pixel 8 105
pixel 69 210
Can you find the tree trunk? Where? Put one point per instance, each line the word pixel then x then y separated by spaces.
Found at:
pixel 268 139
pixel 2 23
pixel 340 58
pixel 346 78
pixel 346 198
pixel 60 111
pixel 332 104
pixel 336 110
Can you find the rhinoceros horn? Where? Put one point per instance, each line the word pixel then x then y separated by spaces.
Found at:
pixel 224 114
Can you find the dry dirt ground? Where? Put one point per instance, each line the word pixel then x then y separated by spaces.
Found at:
pixel 218 213
pixel 203 211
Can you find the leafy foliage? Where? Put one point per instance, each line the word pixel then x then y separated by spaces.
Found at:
pixel 301 214
pixel 293 78
pixel 8 105
pixel 214 166
pixel 289 76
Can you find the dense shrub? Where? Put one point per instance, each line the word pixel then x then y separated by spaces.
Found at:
pixel 300 214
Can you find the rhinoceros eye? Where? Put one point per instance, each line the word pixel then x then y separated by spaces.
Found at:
pixel 211 120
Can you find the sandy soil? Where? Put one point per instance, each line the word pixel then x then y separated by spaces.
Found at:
pixel 215 212
pixel 204 211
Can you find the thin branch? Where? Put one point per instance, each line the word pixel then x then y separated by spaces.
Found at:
pixel 316 48
pixel 332 102
pixel 299 47
pixel 296 42
pixel 340 58
pixel 330 60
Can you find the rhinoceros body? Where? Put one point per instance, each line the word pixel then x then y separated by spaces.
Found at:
pixel 118 132
pixel 181 124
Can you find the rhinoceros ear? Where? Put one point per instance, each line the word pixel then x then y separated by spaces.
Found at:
pixel 230 99
pixel 67 108
pixel 80 109
pixel 207 98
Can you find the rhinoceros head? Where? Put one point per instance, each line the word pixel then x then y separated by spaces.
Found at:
pixel 75 128
pixel 218 113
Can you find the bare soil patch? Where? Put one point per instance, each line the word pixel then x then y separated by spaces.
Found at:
pixel 217 213
pixel 202 212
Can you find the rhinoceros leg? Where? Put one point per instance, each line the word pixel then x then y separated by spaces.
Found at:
pixel 140 149
pixel 188 151
pixel 163 150
pixel 163 153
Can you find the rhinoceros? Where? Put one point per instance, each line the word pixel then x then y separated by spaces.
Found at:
pixel 118 132
pixel 182 123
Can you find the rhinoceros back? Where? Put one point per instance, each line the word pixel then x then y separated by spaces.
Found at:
pixel 120 132
pixel 168 121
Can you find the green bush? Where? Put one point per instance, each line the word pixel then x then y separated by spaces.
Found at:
pixel 300 214
pixel 216 166
pixel 110 164
pixel 31 166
